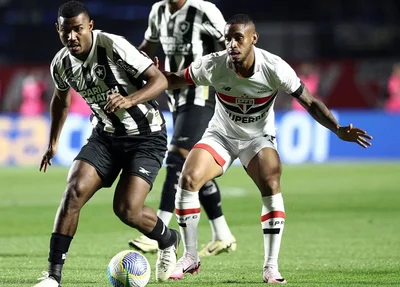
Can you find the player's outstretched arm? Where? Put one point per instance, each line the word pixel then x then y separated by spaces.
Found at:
pixel 59 107
pixel 176 80
pixel 321 114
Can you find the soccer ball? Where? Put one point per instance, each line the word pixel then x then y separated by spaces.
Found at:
pixel 128 269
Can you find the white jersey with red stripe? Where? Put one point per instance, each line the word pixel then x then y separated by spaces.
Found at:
pixel 244 108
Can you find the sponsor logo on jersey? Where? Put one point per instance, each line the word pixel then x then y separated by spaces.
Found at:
pixel 172 46
pixel 100 72
pixel 245 119
pixel 60 83
pixel 125 66
pixel 96 95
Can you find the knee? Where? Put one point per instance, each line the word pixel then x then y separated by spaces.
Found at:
pixel 191 179
pixel 73 198
pixel 128 214
pixel 272 184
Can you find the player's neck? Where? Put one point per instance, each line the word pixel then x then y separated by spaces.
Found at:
pixel 246 68
pixel 84 55
pixel 173 7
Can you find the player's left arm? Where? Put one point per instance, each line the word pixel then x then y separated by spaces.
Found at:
pixel 319 111
pixel 288 81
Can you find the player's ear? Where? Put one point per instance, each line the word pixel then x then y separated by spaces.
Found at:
pixel 57 27
pixel 255 38
pixel 91 25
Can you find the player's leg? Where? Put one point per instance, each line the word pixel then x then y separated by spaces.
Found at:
pixel 89 172
pixel 141 160
pixel 265 169
pixel 83 181
pixel 190 124
pixel 207 160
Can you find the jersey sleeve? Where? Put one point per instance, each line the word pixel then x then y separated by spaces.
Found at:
pixel 285 77
pixel 152 33
pixel 129 58
pixel 200 71
pixel 214 22
pixel 59 83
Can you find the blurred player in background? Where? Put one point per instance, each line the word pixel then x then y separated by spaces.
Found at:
pixel 129 134
pixel 187 30
pixel 247 80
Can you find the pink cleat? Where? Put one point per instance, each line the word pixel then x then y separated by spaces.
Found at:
pixel 272 275
pixel 187 264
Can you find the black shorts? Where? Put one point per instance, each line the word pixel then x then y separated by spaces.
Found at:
pixel 190 122
pixel 136 155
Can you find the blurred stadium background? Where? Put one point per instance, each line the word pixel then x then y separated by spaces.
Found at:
pixel 347 53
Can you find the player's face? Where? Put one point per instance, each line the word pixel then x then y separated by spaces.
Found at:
pixel 75 34
pixel 239 41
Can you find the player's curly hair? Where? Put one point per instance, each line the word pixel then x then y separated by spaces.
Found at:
pixel 72 9
pixel 240 19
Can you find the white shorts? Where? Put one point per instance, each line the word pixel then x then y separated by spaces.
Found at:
pixel 225 150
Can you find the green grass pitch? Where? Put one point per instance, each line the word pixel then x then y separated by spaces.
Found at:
pixel 342 229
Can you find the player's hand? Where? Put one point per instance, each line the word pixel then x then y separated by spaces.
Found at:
pixel 116 102
pixel 46 160
pixel 156 62
pixel 352 134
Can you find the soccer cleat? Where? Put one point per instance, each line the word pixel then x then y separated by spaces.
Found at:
pixel 144 244
pixel 166 260
pixel 47 281
pixel 187 264
pixel 272 275
pixel 216 247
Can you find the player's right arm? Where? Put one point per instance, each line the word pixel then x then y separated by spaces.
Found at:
pixel 151 41
pixel 199 73
pixel 59 107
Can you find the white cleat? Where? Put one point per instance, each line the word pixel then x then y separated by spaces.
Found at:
pixel 187 264
pixel 272 275
pixel 166 260
pixel 144 244
pixel 47 281
pixel 216 247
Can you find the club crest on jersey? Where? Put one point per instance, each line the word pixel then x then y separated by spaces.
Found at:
pixel 100 72
pixel 244 104
pixel 184 26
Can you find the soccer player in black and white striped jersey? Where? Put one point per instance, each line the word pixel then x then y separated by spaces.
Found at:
pixel 187 30
pixel 129 134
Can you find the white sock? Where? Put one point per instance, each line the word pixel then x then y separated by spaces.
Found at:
pixel 165 216
pixel 220 229
pixel 187 208
pixel 272 222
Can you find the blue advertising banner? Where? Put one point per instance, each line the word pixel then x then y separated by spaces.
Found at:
pixel 23 140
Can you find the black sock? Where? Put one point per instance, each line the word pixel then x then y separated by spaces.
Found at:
pixel 59 245
pixel 210 199
pixel 174 163
pixel 162 235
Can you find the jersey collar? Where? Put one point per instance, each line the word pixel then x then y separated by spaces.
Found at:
pixel 257 58
pixel 92 50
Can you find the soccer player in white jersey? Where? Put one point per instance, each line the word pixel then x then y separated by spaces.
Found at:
pixel 129 134
pixel 187 30
pixel 247 80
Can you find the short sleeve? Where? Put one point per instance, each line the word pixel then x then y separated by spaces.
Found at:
pixel 129 58
pixel 59 83
pixel 200 71
pixel 152 33
pixel 286 78
pixel 214 22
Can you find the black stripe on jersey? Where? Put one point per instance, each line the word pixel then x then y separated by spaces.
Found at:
pixel 209 45
pixel 111 82
pixel 251 110
pixel 66 63
pixel 135 111
pixel 271 230
pixel 188 37
pixel 160 12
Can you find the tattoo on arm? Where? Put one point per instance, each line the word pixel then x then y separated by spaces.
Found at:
pixel 318 111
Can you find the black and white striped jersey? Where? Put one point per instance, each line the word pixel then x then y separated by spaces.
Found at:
pixel 113 66
pixel 191 32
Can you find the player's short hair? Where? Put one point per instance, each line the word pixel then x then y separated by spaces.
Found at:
pixel 72 9
pixel 240 19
